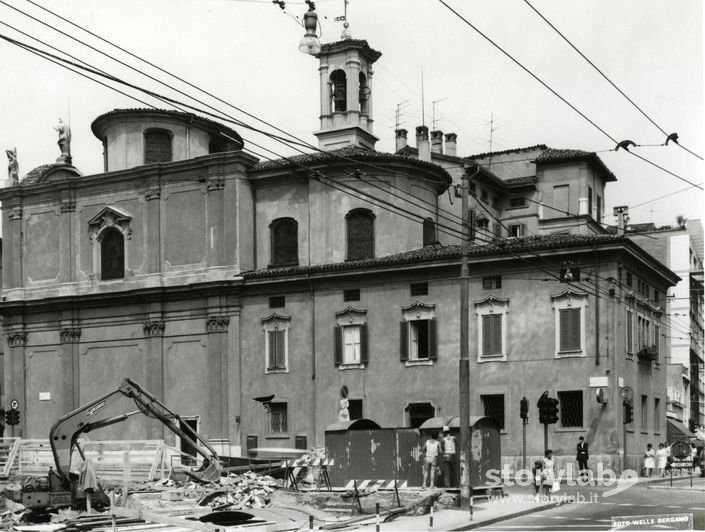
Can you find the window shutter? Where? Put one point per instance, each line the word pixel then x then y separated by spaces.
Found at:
pixel 487 335
pixel 279 361
pixel 338 345
pixel 404 341
pixel 570 329
pixel 432 340
pixel 363 344
pixel 497 334
pixel 271 355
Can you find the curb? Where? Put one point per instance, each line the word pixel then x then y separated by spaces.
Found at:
pixel 500 518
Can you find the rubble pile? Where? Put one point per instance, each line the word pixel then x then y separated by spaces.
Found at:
pixel 241 492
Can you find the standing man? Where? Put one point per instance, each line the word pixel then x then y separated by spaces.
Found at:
pixel 449 454
pixel 582 457
pixel 431 453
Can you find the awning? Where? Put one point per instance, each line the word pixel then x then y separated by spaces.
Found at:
pixel 676 430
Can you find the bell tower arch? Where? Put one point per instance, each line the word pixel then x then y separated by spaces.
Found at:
pixel 346 94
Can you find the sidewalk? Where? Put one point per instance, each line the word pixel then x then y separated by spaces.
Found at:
pixel 485 513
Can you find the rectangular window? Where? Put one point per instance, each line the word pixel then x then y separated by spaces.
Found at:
pixel 492 334
pixel 516 230
pixel 484 196
pixel 561 200
pixel 570 408
pixel 495 202
pixel 351 295
pixel 569 334
pixel 278 419
pixel 493 408
pixel 351 344
pixel 657 341
pixel 590 201
pixel 630 279
pixel 630 332
pixel 657 414
pixel 276 356
pixel 492 282
pixel 419 289
pixel 355 408
pixel 419 339
pixel 516 203
pixel 276 302
pixel 599 209
pixel 644 412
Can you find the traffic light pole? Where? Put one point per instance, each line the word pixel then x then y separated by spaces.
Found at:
pixel 523 443
pixel 545 438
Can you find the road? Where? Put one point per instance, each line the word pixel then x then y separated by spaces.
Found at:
pixel 596 514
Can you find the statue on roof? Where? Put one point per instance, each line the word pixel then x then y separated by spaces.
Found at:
pixel 64 142
pixel 13 167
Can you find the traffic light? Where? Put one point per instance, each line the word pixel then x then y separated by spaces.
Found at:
pixel 543 409
pixel 628 412
pixel 12 417
pixel 552 410
pixel 8 417
pixel 524 408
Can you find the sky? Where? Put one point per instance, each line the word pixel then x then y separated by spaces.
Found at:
pixel 246 53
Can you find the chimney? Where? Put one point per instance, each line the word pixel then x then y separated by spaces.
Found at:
pixel 622 214
pixel 400 138
pixel 437 141
pixel 451 144
pixel 422 143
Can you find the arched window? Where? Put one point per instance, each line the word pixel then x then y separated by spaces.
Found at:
pixel 285 242
pixel 364 94
pixel 429 232
pixel 361 231
pixel 339 85
pixel 157 146
pixel 112 255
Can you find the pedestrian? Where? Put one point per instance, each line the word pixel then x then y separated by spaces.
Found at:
pixel 582 457
pixel 431 452
pixel 694 456
pixel 549 472
pixel 449 456
pixel 649 461
pixel 537 476
pixel 661 460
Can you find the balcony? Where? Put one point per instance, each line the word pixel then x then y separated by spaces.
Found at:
pixel 648 353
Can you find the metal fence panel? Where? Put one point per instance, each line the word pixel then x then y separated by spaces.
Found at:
pixel 382 454
pixel 337 447
pixel 408 457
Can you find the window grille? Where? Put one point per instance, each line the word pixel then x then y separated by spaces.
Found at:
pixel 644 412
pixel 277 302
pixel 493 282
pixel 492 334
pixel 352 294
pixel 278 419
pixel 157 147
pixel 284 241
pixel 569 320
pixel 570 408
pixel 360 234
pixel 112 255
pixel 419 289
pixel 493 407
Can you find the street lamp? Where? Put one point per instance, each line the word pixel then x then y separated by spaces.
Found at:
pixel 309 42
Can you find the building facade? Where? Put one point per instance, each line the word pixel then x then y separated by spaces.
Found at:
pixel 215 280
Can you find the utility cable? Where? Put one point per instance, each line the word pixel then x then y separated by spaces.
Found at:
pixel 552 91
pixel 609 80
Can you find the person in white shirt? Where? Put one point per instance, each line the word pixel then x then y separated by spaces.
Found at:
pixel 449 454
pixel 431 452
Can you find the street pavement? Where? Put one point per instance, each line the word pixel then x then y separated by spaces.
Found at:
pixel 596 510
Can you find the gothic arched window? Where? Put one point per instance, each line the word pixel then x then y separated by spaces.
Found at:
pixel 112 255
pixel 361 234
pixel 157 146
pixel 284 242
pixel 339 85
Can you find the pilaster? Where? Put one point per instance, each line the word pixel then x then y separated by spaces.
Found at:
pixel 217 328
pixel 153 328
pixel 16 251
pixel 67 208
pixel 152 197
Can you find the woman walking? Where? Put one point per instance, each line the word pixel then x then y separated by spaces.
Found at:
pixel 649 461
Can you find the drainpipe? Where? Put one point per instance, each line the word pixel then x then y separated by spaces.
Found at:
pixel 597 306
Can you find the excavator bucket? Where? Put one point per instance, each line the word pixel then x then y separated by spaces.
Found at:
pixel 208 472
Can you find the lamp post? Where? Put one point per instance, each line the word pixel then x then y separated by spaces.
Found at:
pixel 309 42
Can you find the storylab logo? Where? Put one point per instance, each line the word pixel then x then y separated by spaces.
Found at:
pixel 603 476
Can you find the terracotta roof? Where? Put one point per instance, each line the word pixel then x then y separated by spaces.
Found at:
pixel 440 252
pixel 521 181
pixel 205 123
pixel 37 175
pixel 552 155
pixel 505 152
pixel 355 153
pixel 362 44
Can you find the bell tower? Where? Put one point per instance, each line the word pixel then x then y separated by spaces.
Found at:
pixel 346 94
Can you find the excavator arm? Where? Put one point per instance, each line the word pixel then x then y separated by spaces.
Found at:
pixel 65 432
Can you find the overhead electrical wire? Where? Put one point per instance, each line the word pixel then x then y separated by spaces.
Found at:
pixel 556 94
pixel 319 174
pixel 609 80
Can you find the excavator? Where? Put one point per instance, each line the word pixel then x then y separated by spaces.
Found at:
pixel 61 486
